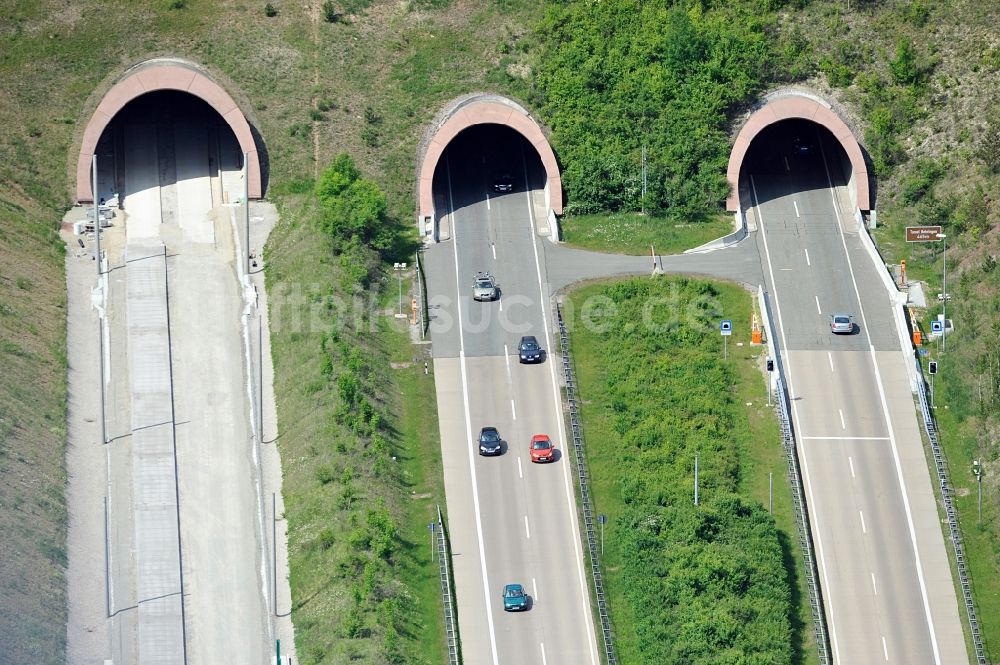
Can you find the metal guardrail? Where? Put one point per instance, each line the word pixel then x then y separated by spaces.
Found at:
pixel 802 520
pixel 949 507
pixel 422 295
pixel 447 593
pixel 588 511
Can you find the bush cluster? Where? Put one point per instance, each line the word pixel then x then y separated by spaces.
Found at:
pixel 618 75
pixel 706 584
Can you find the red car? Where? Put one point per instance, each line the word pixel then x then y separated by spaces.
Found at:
pixel 542 448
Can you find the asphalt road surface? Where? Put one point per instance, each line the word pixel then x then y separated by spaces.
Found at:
pixel 884 572
pixel 510 520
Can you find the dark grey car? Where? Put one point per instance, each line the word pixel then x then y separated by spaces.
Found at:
pixel 489 441
pixel 528 350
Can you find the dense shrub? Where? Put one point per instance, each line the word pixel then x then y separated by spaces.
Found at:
pixel 620 74
pixel 706 584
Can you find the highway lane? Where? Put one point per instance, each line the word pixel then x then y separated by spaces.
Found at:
pixel 510 520
pixel 884 572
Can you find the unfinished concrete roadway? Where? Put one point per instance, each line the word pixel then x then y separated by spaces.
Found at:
pixel 181 472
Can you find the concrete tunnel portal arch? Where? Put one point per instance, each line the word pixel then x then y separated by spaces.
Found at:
pixel 173 75
pixel 798 105
pixel 483 109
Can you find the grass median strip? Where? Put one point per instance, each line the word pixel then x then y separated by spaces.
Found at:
pixel 687 584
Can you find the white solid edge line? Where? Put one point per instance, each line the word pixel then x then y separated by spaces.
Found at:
pixel 795 418
pixel 570 501
pixel 845 438
pixel 468 430
pixel 892 433
pixel 506 355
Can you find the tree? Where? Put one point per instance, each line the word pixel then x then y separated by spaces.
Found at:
pixel 903 66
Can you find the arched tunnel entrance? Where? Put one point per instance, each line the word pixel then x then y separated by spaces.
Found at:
pixel 794 155
pixel 803 137
pixel 493 138
pixel 155 76
pixel 481 165
pixel 170 159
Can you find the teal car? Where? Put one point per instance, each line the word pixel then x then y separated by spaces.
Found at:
pixel 514 598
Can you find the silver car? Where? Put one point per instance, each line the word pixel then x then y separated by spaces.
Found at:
pixel 484 287
pixel 841 324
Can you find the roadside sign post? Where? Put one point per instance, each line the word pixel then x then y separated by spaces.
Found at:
pixel 725 329
pixel 399 268
pixel 977 471
pixel 944 288
pixel 932 369
pixel 770 491
pixel 770 368
pixel 602 519
pixel 696 479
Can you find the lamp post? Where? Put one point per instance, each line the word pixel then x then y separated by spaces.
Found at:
pixel 399 268
pixel 944 291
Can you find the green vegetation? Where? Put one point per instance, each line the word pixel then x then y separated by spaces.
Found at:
pixel 632 233
pixel 359 446
pixel 619 75
pixel 364 78
pixel 717 583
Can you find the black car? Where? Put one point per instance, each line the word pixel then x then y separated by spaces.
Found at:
pixel 528 350
pixel 504 183
pixel 802 148
pixel 489 441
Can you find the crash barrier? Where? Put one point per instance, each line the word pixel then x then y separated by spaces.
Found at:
pixel 776 383
pixel 447 592
pixel 802 521
pixel 896 298
pixel 947 493
pixel 421 295
pixel 588 511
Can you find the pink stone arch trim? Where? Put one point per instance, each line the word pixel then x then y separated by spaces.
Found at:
pixel 797 107
pixel 482 113
pixel 149 78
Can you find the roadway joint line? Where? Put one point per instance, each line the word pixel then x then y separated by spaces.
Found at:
pixel 892 436
pixel 817 532
pixel 557 404
pixel 468 431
